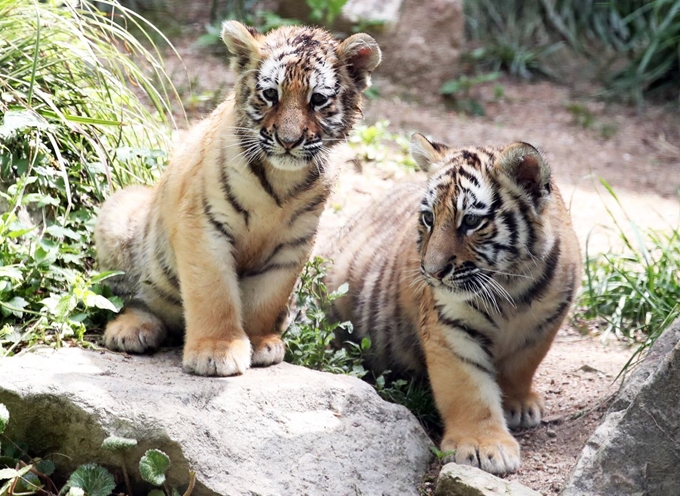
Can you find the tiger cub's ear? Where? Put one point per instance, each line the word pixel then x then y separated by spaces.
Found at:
pixel 426 153
pixel 242 42
pixel 361 54
pixel 525 165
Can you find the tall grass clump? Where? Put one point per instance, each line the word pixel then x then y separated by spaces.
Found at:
pixel 635 44
pixel 72 128
pixel 635 292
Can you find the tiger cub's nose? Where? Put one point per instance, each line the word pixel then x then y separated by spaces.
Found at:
pixel 289 142
pixel 439 272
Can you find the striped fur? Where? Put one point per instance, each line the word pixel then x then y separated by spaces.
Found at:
pixel 466 278
pixel 215 247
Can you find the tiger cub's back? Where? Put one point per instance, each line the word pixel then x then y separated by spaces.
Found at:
pixel 375 254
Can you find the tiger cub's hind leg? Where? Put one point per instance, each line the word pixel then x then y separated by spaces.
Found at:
pixel 135 330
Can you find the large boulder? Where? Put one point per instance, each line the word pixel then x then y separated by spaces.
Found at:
pixel 636 450
pixel 280 430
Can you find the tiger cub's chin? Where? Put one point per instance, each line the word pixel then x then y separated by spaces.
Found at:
pixel 468 278
pixel 214 249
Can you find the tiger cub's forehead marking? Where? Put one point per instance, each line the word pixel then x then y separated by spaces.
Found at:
pixel 304 62
pixel 462 184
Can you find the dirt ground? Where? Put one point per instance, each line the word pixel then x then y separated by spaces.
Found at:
pixel 641 161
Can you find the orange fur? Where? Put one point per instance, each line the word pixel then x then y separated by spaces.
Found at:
pixel 466 279
pixel 215 247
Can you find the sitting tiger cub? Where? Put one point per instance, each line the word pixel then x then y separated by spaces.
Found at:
pixel 216 246
pixel 467 278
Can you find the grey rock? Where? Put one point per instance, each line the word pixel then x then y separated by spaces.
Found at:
pixel 423 49
pixel 636 449
pixel 281 430
pixel 380 13
pixel 462 480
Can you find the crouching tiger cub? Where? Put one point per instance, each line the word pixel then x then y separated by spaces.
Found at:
pixel 215 247
pixel 467 278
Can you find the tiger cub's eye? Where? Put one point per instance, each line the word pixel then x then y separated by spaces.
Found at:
pixel 318 99
pixel 271 94
pixel 471 221
pixel 427 218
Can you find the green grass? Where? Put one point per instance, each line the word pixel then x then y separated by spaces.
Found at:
pixel 633 44
pixel 635 293
pixel 72 128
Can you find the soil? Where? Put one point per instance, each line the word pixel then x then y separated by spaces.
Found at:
pixel 636 151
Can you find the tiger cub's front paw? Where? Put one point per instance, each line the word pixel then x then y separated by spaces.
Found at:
pixel 523 412
pixel 211 356
pixel 496 452
pixel 268 350
pixel 135 331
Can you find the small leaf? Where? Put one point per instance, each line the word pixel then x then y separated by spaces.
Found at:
pixel 153 465
pixel 114 443
pixel 11 272
pixel 99 301
pixel 45 467
pixel 8 473
pixel 4 417
pixel 156 492
pixel 93 479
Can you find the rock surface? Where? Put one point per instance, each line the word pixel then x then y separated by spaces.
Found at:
pixel 461 480
pixel 423 49
pixel 280 430
pixel 636 450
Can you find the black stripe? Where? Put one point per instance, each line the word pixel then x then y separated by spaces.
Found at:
pixel 219 226
pixel 511 223
pixel 163 294
pixel 482 339
pixel 560 311
pixel 462 172
pixel 269 268
pixel 537 290
pixel 312 177
pixel 374 300
pixel 257 168
pixel 472 158
pixel 295 243
pixel 229 194
pixel 484 313
pixel 312 205
pixel 479 366
pixel 159 256
pixel 169 274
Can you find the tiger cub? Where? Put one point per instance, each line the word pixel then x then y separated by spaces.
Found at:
pixel 215 247
pixel 467 278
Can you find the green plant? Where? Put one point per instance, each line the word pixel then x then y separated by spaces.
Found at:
pixel 263 20
pixel 72 130
pixel 457 91
pixel 310 336
pixel 581 115
pixel 415 394
pixel 376 143
pixel 641 35
pixel 325 11
pixel 25 476
pixel 636 293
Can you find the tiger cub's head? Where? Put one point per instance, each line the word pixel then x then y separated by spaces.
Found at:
pixel 298 90
pixel 482 219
